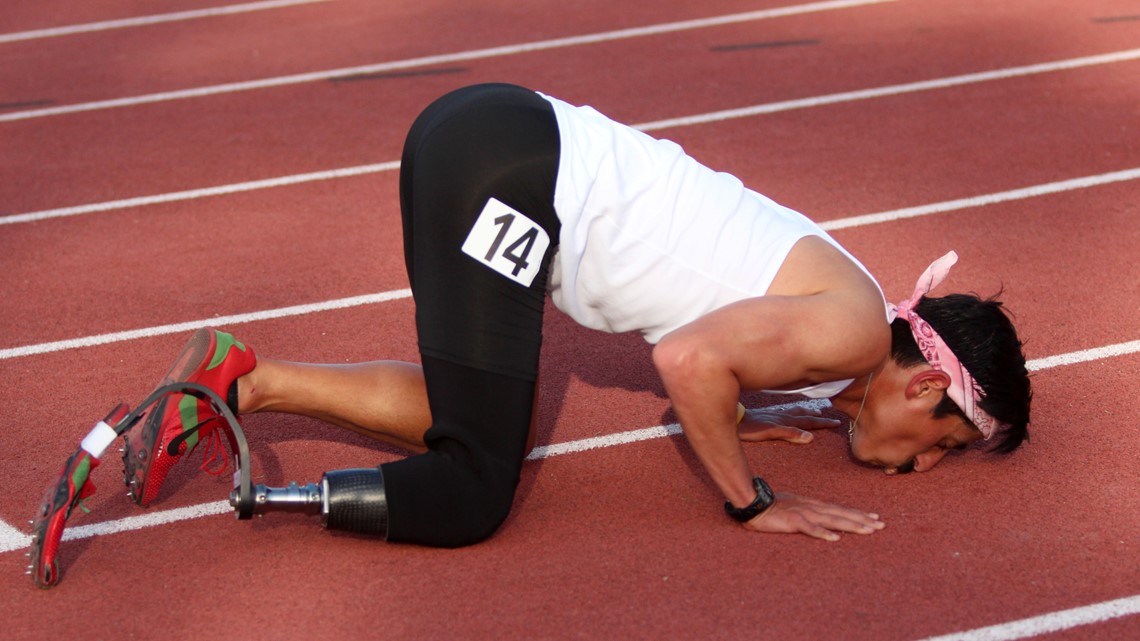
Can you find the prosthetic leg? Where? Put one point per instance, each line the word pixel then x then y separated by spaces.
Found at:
pixel 352 500
pixel 74 484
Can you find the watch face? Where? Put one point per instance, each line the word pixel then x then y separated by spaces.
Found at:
pixel 764 492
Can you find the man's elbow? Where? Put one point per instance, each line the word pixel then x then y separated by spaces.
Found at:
pixel 678 358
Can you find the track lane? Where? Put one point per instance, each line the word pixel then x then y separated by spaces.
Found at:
pixel 348 223
pixel 241 48
pixel 580 366
pixel 1043 203
pixel 670 124
pixel 12 539
pixel 678 549
pixel 366 120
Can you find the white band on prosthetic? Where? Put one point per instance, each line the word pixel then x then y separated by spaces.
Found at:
pixel 99 439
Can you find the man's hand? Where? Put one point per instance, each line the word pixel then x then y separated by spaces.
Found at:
pixel 789 425
pixel 791 514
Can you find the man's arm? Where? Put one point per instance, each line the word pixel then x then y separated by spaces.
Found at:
pixel 771 342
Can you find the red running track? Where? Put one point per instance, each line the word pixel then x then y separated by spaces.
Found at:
pixel 620 541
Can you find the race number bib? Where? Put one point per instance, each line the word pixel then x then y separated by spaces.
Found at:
pixel 507 242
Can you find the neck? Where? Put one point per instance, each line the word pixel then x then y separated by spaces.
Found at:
pixel 850 400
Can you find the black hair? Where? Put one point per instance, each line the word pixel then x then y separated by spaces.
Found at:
pixel 983 338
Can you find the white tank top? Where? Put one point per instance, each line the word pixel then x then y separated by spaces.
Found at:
pixel 651 239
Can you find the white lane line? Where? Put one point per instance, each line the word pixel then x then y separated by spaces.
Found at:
pixel 204 192
pixel 895 90
pixel 149 20
pixel 492 52
pixel 1084 356
pixel 979 201
pixel 1048 623
pixel 12 539
pixel 219 321
pixel 150 519
pixel 644 434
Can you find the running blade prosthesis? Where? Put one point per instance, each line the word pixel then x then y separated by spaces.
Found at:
pixel 74 484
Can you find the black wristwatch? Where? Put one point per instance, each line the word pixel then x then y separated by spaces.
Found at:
pixel 764 499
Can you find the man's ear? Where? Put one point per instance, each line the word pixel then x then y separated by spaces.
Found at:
pixel 927 381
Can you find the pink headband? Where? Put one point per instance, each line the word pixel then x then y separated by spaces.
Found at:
pixel 938 354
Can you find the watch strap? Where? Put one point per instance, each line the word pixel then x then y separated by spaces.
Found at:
pixel 764 499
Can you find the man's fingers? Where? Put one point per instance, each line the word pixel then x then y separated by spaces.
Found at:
pixel 856 524
pixel 828 526
pixel 753 432
pixel 815 518
pixel 831 509
pixel 846 519
pixel 815 422
pixel 792 521
pixel 795 417
pixel 818 532
pixel 810 415
pixel 800 410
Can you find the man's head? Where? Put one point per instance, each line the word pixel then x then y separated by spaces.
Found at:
pixel 910 421
pixel 985 341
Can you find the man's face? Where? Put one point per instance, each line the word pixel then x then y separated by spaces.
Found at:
pixel 897 429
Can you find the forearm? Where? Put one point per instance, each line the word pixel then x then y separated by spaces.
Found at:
pixel 723 458
pixel 704 397
pixel 703 387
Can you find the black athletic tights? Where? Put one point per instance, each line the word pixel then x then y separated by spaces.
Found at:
pixel 479 331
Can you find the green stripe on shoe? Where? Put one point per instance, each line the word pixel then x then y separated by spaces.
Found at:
pixel 224 341
pixel 81 472
pixel 188 410
pixel 78 480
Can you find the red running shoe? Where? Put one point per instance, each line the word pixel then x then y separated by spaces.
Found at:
pixel 211 358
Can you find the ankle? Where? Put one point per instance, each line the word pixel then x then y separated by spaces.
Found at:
pixel 245 393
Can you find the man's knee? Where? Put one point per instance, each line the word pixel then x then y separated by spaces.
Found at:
pixel 443 500
pixel 485 508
